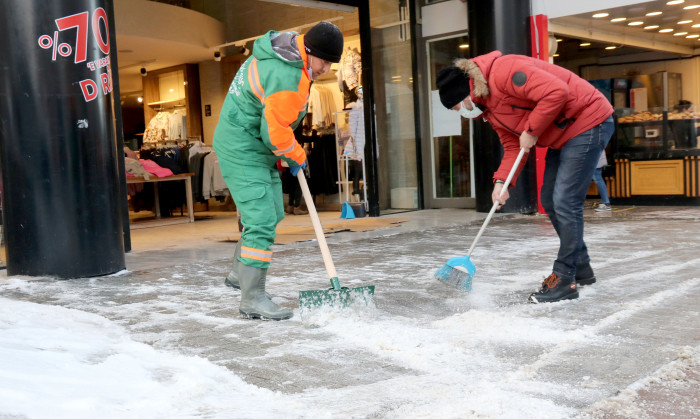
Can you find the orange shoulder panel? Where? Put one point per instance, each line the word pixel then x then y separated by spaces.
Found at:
pixel 281 111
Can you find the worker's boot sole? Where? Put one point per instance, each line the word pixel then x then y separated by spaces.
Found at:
pixel 253 315
pixel 231 284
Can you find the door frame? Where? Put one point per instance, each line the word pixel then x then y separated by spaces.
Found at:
pixel 427 148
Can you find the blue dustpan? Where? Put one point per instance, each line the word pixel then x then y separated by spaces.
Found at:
pixel 346 211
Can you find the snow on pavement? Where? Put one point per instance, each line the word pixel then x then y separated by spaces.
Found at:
pixel 171 342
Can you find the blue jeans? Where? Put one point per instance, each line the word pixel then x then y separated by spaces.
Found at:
pixel 600 184
pixel 567 176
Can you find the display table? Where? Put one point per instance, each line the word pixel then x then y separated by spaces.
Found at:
pixel 187 177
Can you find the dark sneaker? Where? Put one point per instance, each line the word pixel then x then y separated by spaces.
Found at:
pixel 585 275
pixel 555 288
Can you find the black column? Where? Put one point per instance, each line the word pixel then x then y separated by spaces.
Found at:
pixel 499 25
pixel 61 192
pixel 371 147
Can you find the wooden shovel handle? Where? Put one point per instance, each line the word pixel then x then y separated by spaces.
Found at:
pixel 327 259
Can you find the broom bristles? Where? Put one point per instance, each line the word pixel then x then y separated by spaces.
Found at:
pixel 457 272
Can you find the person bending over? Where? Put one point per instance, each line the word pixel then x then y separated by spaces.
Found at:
pixel 531 102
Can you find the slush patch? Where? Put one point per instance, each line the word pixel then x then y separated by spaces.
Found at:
pixel 519 78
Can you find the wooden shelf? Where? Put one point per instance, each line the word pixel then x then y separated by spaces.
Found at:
pixel 180 101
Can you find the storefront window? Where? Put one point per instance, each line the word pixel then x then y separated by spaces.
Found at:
pixel 393 95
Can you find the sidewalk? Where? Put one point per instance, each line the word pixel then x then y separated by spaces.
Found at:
pixel 628 347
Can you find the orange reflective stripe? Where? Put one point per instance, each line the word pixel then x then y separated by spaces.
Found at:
pixel 254 80
pixel 257 254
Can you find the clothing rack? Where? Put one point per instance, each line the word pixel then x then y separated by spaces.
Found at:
pixel 178 142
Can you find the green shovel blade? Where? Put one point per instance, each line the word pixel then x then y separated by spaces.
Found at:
pixel 342 297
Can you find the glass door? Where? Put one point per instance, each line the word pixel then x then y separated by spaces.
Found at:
pixel 451 173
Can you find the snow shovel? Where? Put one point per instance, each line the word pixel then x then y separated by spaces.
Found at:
pixel 336 295
pixel 459 271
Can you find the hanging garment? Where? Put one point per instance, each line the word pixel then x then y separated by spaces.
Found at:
pixel 212 180
pixel 350 69
pixel 158 128
pixel 357 128
pixel 177 127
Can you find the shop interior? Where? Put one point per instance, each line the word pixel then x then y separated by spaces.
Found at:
pixel 643 57
pixel 172 97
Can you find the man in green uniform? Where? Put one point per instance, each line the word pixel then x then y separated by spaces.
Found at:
pixel 267 99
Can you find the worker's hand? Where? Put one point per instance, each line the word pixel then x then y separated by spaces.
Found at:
pixel 496 195
pixel 295 169
pixel 527 141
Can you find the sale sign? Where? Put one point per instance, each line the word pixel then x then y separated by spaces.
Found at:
pixel 82 25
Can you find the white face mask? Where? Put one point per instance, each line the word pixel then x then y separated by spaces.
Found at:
pixel 308 70
pixel 466 113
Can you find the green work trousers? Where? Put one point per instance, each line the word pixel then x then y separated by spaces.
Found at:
pixel 257 192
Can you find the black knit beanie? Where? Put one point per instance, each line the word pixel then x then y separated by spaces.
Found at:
pixel 453 85
pixel 324 41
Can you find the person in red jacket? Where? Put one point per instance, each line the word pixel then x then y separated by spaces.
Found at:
pixel 531 102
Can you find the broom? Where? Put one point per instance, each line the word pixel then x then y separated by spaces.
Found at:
pixel 459 271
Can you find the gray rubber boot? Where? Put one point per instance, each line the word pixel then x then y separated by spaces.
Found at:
pixel 254 301
pixel 232 277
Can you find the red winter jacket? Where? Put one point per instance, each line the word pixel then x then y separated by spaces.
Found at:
pixel 521 93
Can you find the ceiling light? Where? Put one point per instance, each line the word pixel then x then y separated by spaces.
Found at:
pixel 604 14
pixel 611 47
pixel 654 13
pixel 139 99
pixel 666 30
pixel 692 36
pixel 692 6
pixel 680 33
pixel 559 39
pixel 464 46
pixel 697 25
pixel 584 44
pixel 672 2
pixel 683 22
pixel 555 55
pixel 651 27
pixel 618 19
pixel 637 23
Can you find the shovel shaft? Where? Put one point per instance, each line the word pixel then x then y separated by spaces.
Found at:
pixel 497 203
pixel 327 259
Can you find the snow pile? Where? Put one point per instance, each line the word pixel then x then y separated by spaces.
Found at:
pixel 63 363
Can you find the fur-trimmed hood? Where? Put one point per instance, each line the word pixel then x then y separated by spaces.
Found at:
pixel 479 85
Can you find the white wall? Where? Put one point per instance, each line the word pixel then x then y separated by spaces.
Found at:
pixel 213 90
pixel 444 17
pixel 687 68
pixel 558 8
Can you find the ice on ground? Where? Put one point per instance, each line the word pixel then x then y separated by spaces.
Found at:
pixel 171 343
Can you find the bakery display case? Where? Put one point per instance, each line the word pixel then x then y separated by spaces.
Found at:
pixel 656 155
pixel 659 133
